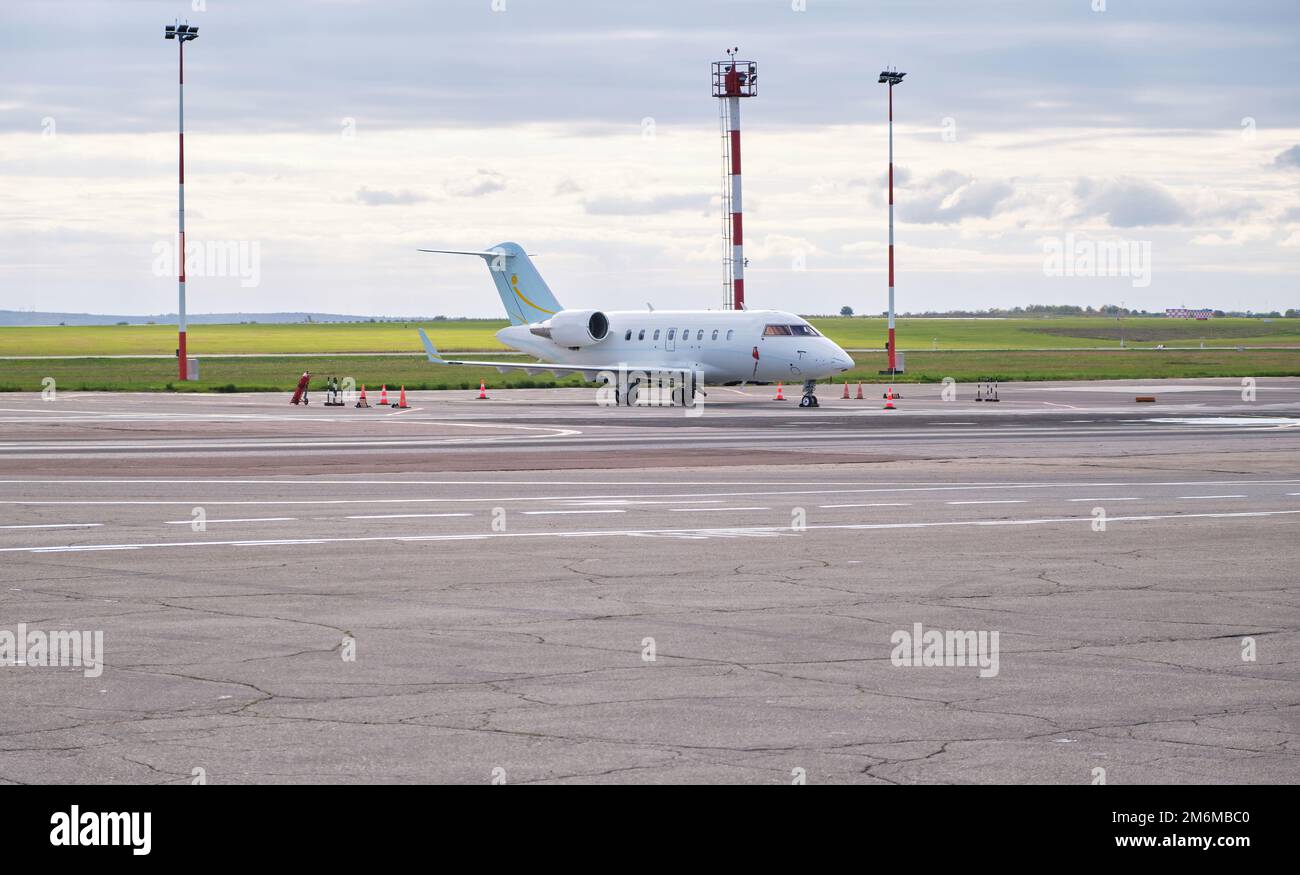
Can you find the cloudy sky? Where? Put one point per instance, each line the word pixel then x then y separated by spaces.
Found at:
pixel 330 139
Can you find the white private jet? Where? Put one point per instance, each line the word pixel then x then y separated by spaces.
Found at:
pixel 715 347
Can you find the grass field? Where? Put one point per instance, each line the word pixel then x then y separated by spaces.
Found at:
pixel 1060 333
pixel 479 335
pixel 206 340
pixel 272 373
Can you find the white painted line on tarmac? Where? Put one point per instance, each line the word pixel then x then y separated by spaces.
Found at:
pixel 80 549
pixel 552 512
pixel 711 509
pixel 1126 498
pixel 992 501
pixel 594 533
pixel 576 438
pixel 411 443
pixel 1256 421
pixel 310 481
pixel 885 504
pixel 54 526
pixel 594 502
pixel 1126 389
pixel 263 519
pixel 682 497
pixel 402 516
pixel 1182 497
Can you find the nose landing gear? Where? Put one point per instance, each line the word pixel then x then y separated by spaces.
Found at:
pixel 809 398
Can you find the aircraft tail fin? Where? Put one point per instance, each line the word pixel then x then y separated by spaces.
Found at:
pixel 523 292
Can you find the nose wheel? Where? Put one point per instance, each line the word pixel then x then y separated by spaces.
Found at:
pixel 809 398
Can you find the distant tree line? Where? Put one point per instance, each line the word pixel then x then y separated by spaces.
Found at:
pixel 1113 310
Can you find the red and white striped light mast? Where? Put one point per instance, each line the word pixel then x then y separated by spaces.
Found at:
pixel 182 33
pixel 892 78
pixel 732 80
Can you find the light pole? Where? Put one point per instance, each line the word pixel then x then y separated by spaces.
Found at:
pixel 182 33
pixel 891 78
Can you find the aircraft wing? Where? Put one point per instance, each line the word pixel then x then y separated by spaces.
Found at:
pixel 589 372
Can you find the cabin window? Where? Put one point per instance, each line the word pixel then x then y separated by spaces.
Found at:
pixel 777 331
pixel 730 332
pixel 715 334
pixel 804 331
pixel 640 335
pixel 628 336
pixel 672 332
pixel 656 337
pixel 699 335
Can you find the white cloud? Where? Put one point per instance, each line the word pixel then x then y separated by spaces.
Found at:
pixel 383 198
pixel 614 205
pixel 1289 158
pixel 480 183
pixel 949 197
pixel 1126 202
pixel 1213 240
pixel 655 235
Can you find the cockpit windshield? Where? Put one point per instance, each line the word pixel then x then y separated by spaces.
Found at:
pixel 790 331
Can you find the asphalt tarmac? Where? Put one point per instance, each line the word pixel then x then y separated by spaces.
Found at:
pixel 536 589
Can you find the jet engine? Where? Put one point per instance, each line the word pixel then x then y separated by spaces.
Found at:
pixel 574 328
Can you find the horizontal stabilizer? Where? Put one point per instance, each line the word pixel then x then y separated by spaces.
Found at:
pixel 483 253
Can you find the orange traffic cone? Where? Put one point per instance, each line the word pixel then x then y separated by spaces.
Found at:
pixel 845 396
pixel 780 396
pixel 889 399
pixel 401 401
pixel 362 402
pixel 383 395
pixel 482 390
pixel 859 398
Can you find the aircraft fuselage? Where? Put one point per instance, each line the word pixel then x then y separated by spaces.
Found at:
pixel 722 346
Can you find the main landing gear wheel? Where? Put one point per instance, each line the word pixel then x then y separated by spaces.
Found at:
pixel 681 399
